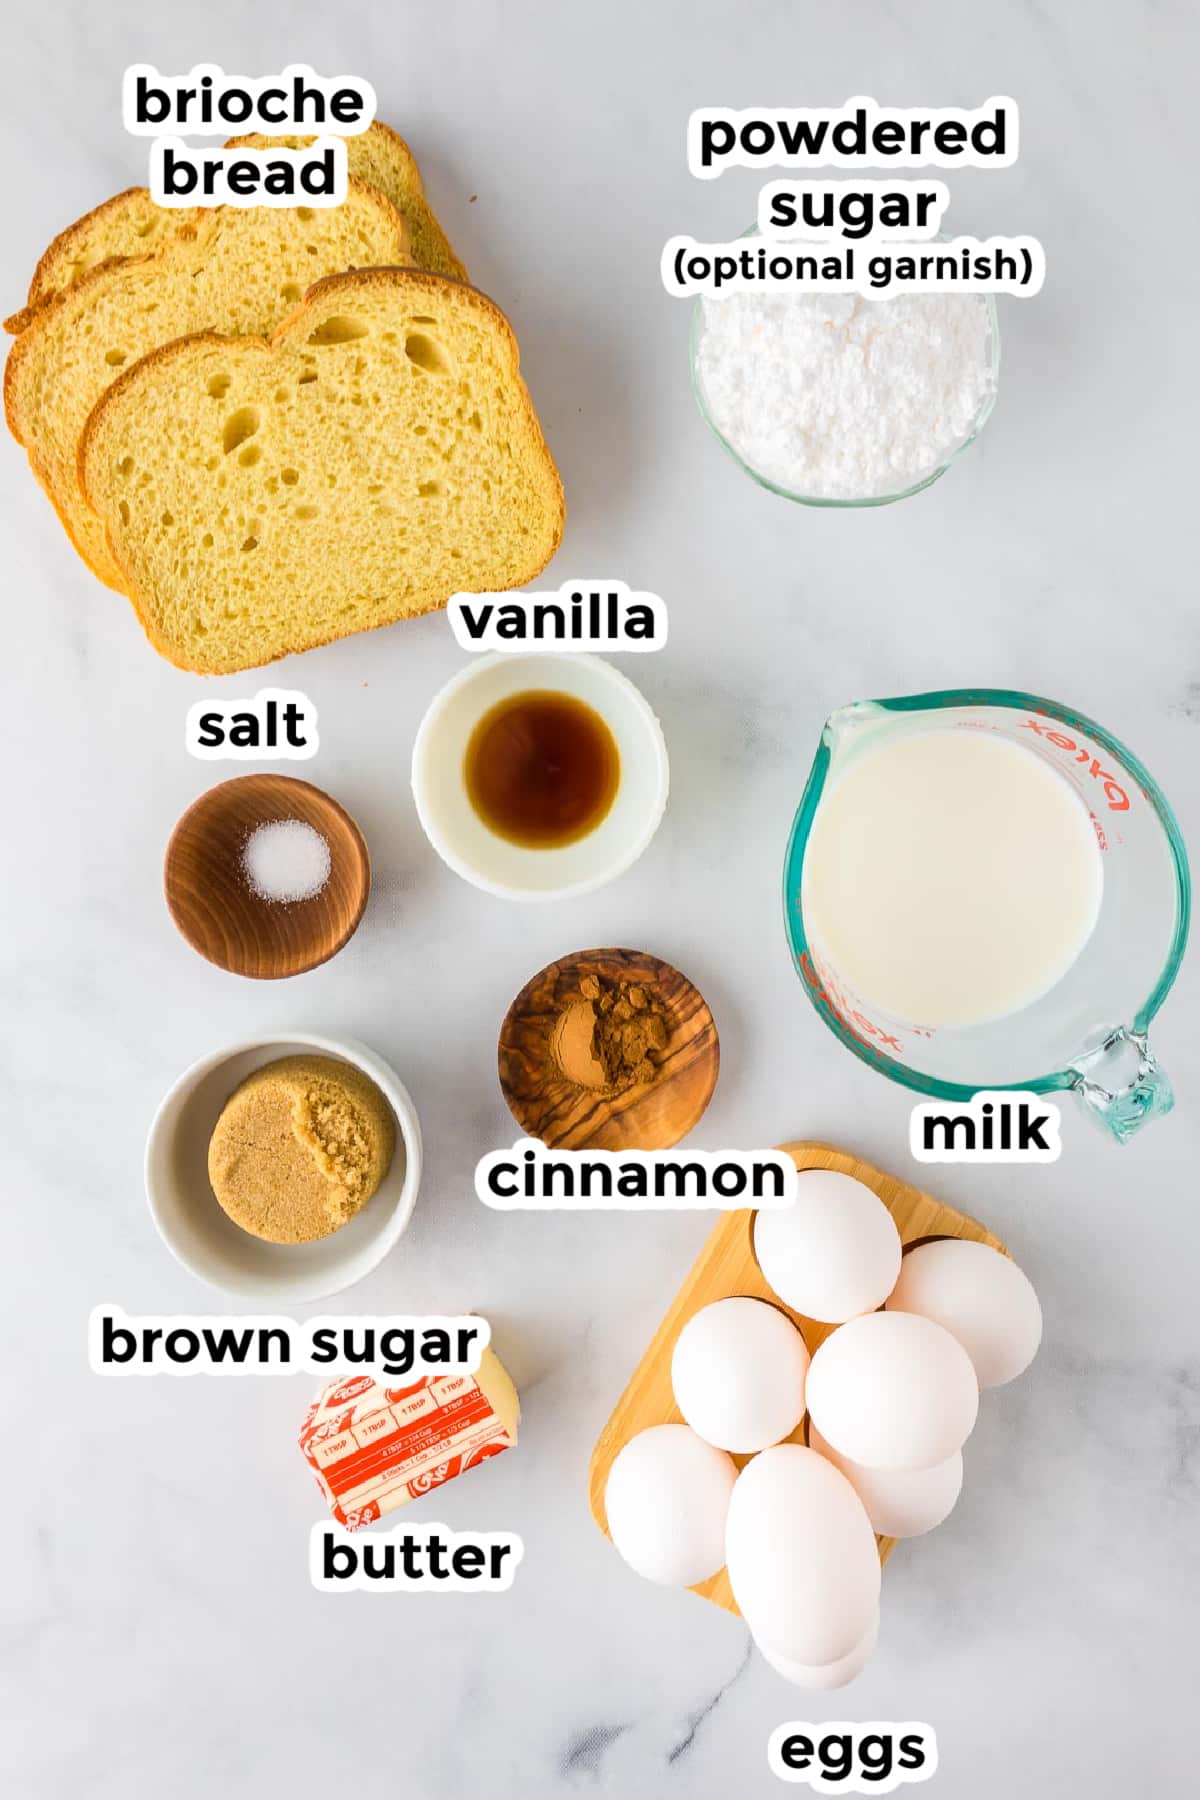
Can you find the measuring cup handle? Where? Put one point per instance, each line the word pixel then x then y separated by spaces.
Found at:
pixel 1122 1085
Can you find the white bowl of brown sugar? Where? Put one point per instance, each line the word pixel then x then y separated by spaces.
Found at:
pixel 284 1169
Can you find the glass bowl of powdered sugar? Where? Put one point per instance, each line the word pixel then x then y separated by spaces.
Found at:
pixel 836 400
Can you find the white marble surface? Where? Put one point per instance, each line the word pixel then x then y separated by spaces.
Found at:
pixel 159 1635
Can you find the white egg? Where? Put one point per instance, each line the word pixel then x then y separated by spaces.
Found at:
pixel 900 1503
pixel 893 1391
pixel 666 1502
pixel 825 1675
pixel 801 1556
pixel 738 1373
pixel 834 1253
pixel 982 1299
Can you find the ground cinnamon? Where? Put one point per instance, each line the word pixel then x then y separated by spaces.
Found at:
pixel 612 1036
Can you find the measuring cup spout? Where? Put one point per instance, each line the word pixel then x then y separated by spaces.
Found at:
pixel 851 722
pixel 1121 1084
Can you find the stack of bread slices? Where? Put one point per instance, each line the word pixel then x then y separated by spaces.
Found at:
pixel 271 427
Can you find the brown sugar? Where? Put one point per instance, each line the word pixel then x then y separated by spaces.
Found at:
pixel 612 1036
pixel 299 1148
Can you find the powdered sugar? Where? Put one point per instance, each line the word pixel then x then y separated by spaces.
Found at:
pixel 834 397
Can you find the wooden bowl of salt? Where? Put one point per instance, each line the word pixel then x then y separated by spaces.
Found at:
pixel 267 876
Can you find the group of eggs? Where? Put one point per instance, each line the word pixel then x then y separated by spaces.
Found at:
pixel 891 1397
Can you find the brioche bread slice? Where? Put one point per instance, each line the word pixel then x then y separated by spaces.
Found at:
pixel 127 225
pixel 230 269
pixel 130 224
pixel 376 455
pixel 381 156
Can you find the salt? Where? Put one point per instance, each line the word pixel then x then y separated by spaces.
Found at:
pixel 286 860
pixel 830 396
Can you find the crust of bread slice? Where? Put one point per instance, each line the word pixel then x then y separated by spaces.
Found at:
pixel 238 269
pixel 130 224
pixel 381 156
pixel 358 475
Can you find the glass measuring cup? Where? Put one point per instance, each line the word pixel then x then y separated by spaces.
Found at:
pixel 1089 1032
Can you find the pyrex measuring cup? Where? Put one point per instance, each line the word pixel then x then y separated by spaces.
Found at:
pixel 1089 1032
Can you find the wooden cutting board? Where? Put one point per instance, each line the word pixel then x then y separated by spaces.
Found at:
pixel 726 1267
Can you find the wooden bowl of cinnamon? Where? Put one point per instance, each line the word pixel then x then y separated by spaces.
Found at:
pixel 608 1050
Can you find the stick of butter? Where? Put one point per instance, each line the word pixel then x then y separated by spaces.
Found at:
pixel 375 1448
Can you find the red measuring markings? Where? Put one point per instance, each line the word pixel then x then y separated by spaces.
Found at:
pixel 385 1438
pixel 1114 793
pixel 825 990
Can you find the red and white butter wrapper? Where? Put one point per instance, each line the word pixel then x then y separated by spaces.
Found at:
pixel 375 1448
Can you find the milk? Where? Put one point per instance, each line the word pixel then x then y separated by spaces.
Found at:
pixel 951 878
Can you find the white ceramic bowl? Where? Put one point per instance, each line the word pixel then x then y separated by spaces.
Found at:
pixel 201 1236
pixel 479 855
